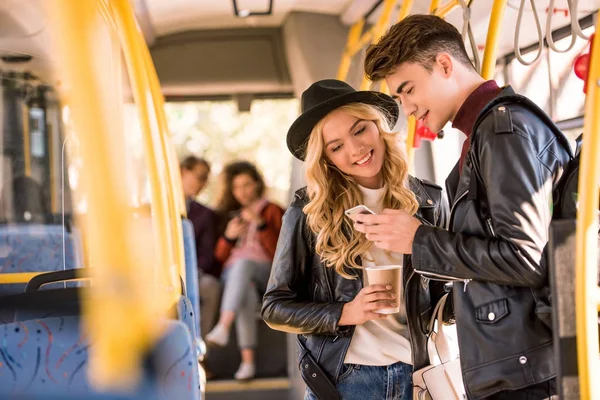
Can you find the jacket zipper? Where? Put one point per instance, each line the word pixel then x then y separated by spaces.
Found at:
pixel 490 227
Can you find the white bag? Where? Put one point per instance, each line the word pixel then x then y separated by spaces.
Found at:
pixel 443 381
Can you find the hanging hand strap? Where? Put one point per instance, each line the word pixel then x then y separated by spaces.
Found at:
pixel 467 33
pixel 518 34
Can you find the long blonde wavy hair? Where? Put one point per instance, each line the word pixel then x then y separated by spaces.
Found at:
pixel 331 191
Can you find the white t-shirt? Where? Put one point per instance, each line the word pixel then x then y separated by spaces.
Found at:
pixel 384 341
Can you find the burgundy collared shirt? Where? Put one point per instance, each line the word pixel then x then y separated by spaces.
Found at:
pixel 467 114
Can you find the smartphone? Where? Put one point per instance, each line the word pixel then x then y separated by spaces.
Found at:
pixel 233 214
pixel 360 209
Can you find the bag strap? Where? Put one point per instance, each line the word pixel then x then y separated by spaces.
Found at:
pixel 442 347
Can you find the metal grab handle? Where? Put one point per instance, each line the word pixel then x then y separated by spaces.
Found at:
pixel 518 54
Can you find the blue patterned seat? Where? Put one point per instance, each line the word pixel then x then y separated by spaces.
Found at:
pixel 49 357
pixel 37 248
pixel 192 290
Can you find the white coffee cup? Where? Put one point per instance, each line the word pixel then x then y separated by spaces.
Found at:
pixel 386 275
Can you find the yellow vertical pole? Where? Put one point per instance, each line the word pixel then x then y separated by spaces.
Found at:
pixel 403 13
pixel 380 27
pixel 156 163
pixel 491 42
pixel 433 5
pixel 411 122
pixel 26 139
pixel 586 289
pixel 120 308
pixel 411 129
pixel 54 189
pixel 353 38
pixel 175 192
pixel 405 9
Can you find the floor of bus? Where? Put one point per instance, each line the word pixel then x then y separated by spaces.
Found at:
pixel 257 389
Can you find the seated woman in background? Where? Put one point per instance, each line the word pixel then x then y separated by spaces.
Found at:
pixel 246 252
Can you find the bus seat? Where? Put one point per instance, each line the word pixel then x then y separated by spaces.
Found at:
pixel 48 357
pixel 191 270
pixel 186 314
pixel 37 248
pixel 176 364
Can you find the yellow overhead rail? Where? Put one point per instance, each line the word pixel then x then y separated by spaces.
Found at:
pixel 443 11
pixel 357 40
pixel 587 293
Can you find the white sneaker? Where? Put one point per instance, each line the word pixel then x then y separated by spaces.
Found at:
pixel 218 336
pixel 245 372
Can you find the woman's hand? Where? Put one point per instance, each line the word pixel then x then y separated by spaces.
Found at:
pixel 249 215
pixel 366 302
pixel 235 228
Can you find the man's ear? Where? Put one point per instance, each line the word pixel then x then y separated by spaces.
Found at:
pixel 446 63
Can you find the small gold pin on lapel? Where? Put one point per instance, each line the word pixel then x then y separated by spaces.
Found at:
pixel 429 201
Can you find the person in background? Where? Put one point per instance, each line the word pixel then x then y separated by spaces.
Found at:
pixel 246 251
pixel 194 175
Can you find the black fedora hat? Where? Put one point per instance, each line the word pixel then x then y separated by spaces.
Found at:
pixel 324 96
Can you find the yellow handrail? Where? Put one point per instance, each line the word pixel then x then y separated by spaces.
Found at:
pixel 405 9
pixel 175 192
pixel 433 5
pixel 444 10
pixel 155 161
pixel 587 293
pixel 26 139
pixel 491 41
pixel 353 37
pixel 25 277
pixel 411 130
pixel 120 314
pixel 382 23
pixel 18 277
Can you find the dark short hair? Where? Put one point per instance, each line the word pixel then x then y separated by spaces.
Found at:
pixel 191 162
pixel 417 38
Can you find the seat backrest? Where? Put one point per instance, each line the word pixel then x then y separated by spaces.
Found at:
pixel 175 363
pixel 191 270
pixel 43 356
pixel 37 248
pixel 49 357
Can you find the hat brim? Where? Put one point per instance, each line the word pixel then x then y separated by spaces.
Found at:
pixel 298 134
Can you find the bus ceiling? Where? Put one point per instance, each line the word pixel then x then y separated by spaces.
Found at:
pixel 208 49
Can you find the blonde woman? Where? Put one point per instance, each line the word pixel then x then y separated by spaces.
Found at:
pixel 316 289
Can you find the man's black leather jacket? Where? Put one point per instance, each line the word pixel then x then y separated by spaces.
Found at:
pixel 495 246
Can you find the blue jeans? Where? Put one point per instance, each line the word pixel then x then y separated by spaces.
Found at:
pixel 364 382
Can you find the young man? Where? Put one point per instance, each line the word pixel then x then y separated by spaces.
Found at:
pixel 194 175
pixel 501 197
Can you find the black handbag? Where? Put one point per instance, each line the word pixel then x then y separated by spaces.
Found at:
pixel 314 376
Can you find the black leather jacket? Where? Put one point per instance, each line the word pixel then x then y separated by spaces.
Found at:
pixel 495 245
pixel 305 297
